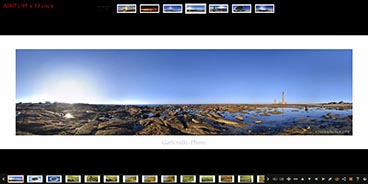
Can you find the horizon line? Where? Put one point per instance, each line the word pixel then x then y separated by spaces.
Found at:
pixel 345 102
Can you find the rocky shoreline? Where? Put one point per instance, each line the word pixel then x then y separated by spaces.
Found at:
pixel 205 119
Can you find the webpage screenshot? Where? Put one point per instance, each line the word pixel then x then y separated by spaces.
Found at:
pixel 183 91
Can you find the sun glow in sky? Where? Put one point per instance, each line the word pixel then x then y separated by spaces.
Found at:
pixel 68 82
pixel 183 76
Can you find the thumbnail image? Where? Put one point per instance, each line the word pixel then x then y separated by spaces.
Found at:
pixel 15 179
pixel 34 179
pixel 218 8
pixel 126 8
pixel 169 92
pixel 130 178
pixel 150 8
pixel 173 8
pixel 195 8
pixel 168 179
pixel 207 179
pixel 226 178
pixel 53 179
pixel 241 8
pixel 265 8
pixel 187 179
pixel 245 179
pixel 261 178
pixel 72 178
pixel 149 178
pixel 111 179
pixel 92 179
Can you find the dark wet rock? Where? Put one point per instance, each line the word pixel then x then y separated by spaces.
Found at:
pixel 148 121
pixel 347 119
pixel 200 116
pixel 134 111
pixel 175 123
pixel 115 131
pixel 306 108
pixel 87 129
pixel 173 113
pixel 314 120
pixel 188 117
pixel 338 125
pixel 329 116
pixel 45 127
pixel 264 114
pixel 214 115
pixel 155 129
pixel 240 118
pixel 51 129
pixel 118 123
pixel 304 120
pixel 156 114
pixel 30 126
pixel 200 129
pixel 275 111
pixel 296 131
pixel 220 120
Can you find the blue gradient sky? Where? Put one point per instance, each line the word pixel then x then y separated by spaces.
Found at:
pixel 184 76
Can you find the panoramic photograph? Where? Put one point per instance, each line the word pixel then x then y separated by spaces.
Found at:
pixel 184 92
pixel 173 8
pixel 195 8
pixel 265 8
pixel 126 8
pixel 218 8
pixel 242 8
pixel 150 8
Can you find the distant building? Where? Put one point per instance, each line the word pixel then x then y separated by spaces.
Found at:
pixel 282 99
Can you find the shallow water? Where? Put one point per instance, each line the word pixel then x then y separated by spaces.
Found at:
pixel 291 117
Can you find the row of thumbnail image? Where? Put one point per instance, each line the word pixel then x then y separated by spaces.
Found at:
pixel 134 179
pixel 196 8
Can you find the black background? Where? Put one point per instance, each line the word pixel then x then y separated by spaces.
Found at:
pixel 183 162
pixel 99 17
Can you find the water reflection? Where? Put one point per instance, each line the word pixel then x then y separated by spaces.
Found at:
pixel 273 123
